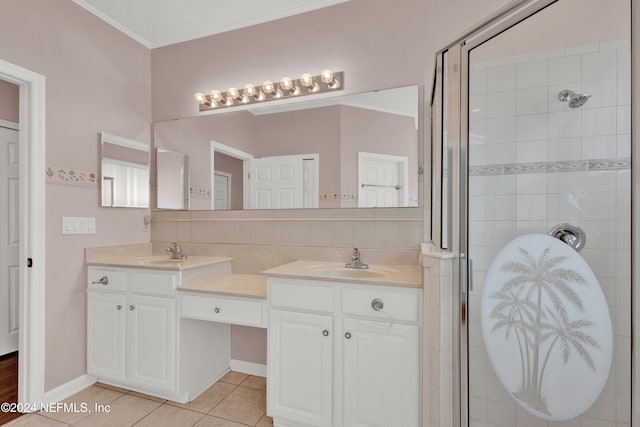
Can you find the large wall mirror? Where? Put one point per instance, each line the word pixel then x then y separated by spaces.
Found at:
pixel 348 151
pixel 125 172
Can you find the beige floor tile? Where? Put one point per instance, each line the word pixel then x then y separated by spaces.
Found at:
pixel 234 378
pixel 243 405
pixel 34 420
pixel 90 396
pixel 209 399
pixel 170 416
pixel 265 421
pixel 209 421
pixel 259 383
pixel 124 412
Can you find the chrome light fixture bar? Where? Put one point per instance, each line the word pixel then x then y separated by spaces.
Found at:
pixel 269 91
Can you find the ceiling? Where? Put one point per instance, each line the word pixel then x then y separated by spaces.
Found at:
pixel 156 23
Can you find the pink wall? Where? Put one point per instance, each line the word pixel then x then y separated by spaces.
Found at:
pixel 97 79
pixel 9 101
pixel 378 43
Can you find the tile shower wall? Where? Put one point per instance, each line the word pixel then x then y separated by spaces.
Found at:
pixel 535 163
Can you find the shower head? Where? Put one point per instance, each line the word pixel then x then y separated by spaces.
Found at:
pixel 576 100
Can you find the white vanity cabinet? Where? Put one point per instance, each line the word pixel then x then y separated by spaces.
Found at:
pixel 131 332
pixel 335 361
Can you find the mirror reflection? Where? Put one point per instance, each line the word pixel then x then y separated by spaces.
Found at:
pixel 125 172
pixel 172 179
pixel 350 151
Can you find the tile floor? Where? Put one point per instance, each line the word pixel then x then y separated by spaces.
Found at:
pixel 237 400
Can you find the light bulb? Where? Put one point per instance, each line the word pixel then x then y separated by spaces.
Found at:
pixel 286 83
pixel 278 94
pixel 314 87
pixel 268 87
pixel 216 95
pixel 260 96
pixel 306 80
pixel 244 99
pixel 200 97
pixel 326 76
pixel 249 89
pixel 233 93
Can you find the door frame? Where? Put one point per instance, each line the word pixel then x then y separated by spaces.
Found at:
pixel 31 343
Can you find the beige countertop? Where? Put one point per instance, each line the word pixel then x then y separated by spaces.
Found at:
pixel 237 285
pixel 159 262
pixel 391 275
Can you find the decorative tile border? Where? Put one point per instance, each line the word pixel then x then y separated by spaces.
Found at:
pixel 71 176
pixel 551 167
pixel 200 193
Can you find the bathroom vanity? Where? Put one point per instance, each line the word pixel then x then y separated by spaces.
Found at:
pixel 343 343
pixel 134 332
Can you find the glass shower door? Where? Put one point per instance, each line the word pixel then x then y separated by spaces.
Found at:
pixel 549 145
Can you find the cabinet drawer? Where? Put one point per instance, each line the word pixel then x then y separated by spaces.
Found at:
pixel 224 310
pixel 400 306
pixel 301 297
pixel 115 279
pixel 157 283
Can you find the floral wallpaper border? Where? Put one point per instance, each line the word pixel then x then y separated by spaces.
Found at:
pixel 200 193
pixel 71 176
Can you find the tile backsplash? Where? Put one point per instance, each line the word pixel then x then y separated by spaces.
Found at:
pixel 384 235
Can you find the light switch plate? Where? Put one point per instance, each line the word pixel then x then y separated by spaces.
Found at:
pixel 78 225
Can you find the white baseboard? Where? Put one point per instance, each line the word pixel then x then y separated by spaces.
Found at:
pixel 248 368
pixel 60 393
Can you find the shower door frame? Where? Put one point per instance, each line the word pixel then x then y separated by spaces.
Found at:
pixel 457 147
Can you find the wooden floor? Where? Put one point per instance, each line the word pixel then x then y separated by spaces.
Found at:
pixel 8 384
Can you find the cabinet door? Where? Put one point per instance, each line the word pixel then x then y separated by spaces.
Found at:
pixel 300 367
pixel 106 335
pixel 151 342
pixel 381 375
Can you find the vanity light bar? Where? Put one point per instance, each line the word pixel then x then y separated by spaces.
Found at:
pixel 269 91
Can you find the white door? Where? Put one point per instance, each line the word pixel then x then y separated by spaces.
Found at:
pixel 9 240
pixel 276 182
pixel 151 344
pixel 300 367
pixel 381 375
pixel 221 191
pixel 106 335
pixel 382 180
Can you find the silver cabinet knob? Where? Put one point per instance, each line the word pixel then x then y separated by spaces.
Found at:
pixel 325 333
pixel 377 304
pixel 118 307
pixel 131 307
pixel 104 280
pixel 216 310
pixel 347 335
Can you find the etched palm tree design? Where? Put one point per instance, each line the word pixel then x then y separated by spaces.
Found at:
pixel 541 328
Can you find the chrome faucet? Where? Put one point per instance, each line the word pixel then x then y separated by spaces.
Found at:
pixel 176 251
pixel 355 260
